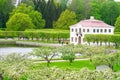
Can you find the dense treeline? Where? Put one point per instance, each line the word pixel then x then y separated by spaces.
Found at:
pixel 106 10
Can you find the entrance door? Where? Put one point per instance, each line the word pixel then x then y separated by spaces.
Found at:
pixel 79 40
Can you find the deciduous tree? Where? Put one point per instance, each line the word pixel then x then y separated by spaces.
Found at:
pixel 65 20
pixel 34 15
pixel 46 53
pixel 117 25
pixel 19 22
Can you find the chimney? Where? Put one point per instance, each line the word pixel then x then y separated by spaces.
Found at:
pixel 91 17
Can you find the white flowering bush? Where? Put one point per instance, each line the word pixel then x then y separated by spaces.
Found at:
pixel 68 74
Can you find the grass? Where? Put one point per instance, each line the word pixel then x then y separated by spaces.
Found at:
pixel 65 64
pixel 116 67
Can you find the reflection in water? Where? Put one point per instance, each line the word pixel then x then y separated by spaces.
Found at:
pixel 8 50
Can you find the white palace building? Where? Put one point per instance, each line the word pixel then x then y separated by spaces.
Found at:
pixel 89 26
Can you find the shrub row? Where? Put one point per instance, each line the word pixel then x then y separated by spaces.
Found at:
pixel 103 38
pixel 33 34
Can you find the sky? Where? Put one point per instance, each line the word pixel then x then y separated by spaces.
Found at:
pixel 117 0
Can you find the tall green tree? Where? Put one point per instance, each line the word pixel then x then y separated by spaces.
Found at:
pixel 28 2
pixel 50 11
pixel 117 25
pixel 19 22
pixel 6 7
pixel 109 12
pixel 76 6
pixel 95 9
pixel 34 15
pixel 82 8
pixel 65 20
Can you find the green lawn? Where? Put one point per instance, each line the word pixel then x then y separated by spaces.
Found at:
pixel 75 65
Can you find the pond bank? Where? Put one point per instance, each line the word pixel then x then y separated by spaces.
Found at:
pixel 21 43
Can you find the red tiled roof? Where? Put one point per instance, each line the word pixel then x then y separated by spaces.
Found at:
pixel 92 23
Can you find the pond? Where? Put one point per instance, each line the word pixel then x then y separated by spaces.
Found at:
pixel 9 50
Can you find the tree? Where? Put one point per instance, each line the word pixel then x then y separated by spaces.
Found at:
pixel 50 11
pixel 6 7
pixel 45 53
pixel 65 20
pixel 108 59
pixel 109 12
pixel 19 22
pixel 37 19
pixel 117 25
pixel 34 15
pixel 28 2
pixel 14 65
pixel 76 6
pixel 82 8
pixel 95 9
pixel 68 53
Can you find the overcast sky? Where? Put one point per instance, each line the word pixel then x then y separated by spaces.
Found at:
pixel 117 0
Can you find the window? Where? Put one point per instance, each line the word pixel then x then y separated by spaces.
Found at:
pixel 101 30
pixel 79 31
pixel 98 30
pixel 87 30
pixel 72 30
pixel 105 30
pixel 75 39
pixel 83 30
pixel 75 30
pixel 71 39
pixel 109 30
pixel 94 30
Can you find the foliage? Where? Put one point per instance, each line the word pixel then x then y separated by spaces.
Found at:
pixel 68 53
pixel 109 12
pixel 45 53
pixel 35 16
pixel 13 66
pixel 50 11
pixel 83 74
pixel 90 51
pixel 65 20
pixel 82 8
pixel 110 59
pixel 103 38
pixel 6 7
pixel 19 22
pixel 43 33
pixel 28 2
pixel 117 25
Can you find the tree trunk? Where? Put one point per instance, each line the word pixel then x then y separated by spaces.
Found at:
pixel 70 60
pixel 111 66
pixel 1 77
pixel 48 63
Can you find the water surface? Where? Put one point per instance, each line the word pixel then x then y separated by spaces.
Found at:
pixel 9 50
